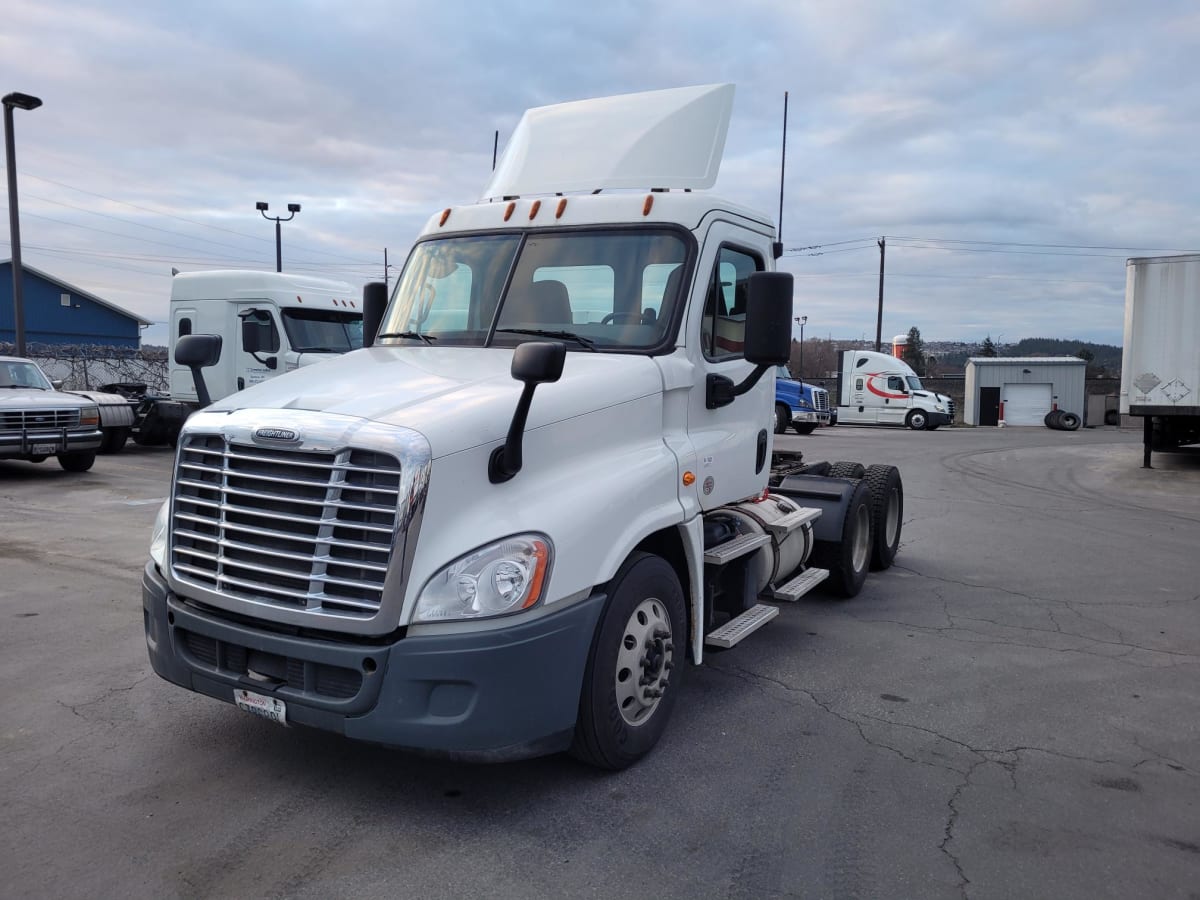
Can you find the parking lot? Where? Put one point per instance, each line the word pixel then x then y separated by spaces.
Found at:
pixel 1013 710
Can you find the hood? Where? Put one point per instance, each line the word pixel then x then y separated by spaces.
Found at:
pixel 457 397
pixel 29 398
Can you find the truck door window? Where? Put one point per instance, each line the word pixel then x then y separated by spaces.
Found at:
pixel 896 383
pixel 724 325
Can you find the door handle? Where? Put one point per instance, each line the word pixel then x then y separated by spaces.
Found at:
pixel 241 383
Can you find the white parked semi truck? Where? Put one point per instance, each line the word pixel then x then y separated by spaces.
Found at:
pixel 510 525
pixel 879 389
pixel 1160 366
pixel 269 322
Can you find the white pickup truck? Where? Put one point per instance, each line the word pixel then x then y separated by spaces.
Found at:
pixel 543 491
pixel 38 421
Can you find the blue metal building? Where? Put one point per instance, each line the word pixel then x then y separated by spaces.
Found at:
pixel 60 313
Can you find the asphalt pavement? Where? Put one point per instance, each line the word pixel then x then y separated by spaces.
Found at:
pixel 1012 710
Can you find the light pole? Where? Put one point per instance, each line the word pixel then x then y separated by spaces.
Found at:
pixel 21 101
pixel 801 320
pixel 293 208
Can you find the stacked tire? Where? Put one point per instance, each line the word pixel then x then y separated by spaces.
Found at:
pixel 1060 420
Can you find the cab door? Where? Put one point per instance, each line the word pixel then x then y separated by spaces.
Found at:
pixel 257 345
pixel 732 442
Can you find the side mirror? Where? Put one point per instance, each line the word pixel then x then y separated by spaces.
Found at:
pixel 533 363
pixel 198 351
pixel 57 384
pixel 768 335
pixel 374 300
pixel 250 334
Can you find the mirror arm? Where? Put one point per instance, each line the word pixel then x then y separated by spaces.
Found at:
pixel 721 391
pixel 506 461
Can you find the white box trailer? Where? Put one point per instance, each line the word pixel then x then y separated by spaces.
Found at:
pixel 1160 372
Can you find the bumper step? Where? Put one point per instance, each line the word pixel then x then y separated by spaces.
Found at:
pixel 800 585
pixel 738 547
pixel 741 627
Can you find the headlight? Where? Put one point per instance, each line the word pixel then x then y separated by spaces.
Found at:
pixel 504 577
pixel 803 404
pixel 89 416
pixel 939 407
pixel 158 538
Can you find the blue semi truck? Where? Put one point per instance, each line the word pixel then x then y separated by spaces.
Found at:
pixel 799 405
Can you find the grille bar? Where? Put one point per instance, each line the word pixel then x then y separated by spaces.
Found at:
pixel 14 419
pixel 301 529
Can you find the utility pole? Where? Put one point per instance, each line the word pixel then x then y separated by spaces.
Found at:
pixel 385 266
pixel 882 242
pixel 20 101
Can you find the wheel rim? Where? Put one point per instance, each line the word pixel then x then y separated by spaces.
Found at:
pixel 892 517
pixel 918 420
pixel 862 535
pixel 644 661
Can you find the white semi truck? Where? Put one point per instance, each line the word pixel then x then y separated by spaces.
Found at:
pixel 511 524
pixel 269 322
pixel 1160 366
pixel 879 389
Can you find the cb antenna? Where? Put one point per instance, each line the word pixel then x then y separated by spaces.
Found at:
pixel 495 147
pixel 777 247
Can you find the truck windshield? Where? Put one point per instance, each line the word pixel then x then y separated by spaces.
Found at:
pixel 323 330
pixel 914 383
pixel 610 290
pixel 20 374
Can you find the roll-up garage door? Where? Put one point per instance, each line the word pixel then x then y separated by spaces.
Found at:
pixel 1025 404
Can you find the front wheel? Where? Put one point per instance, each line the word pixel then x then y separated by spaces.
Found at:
pixel 917 420
pixel 80 461
pixel 805 428
pixel 783 418
pixel 637 661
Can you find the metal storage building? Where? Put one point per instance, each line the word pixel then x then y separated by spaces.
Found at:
pixel 60 313
pixel 1028 388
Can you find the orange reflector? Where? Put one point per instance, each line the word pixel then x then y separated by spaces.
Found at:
pixel 445 216
pixel 541 555
pixel 688 479
pixel 509 211
pixel 562 205
pixel 533 210
pixel 648 205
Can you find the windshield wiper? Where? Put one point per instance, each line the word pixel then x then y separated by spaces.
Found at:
pixel 321 349
pixel 24 387
pixel 429 339
pixel 540 332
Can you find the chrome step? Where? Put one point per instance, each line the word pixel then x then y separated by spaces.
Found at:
pixel 741 626
pixel 731 550
pixel 800 585
pixel 792 521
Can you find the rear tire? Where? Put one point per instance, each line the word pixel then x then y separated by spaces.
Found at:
pixel 1068 421
pixel 637 661
pixel 805 428
pixel 1050 420
pixel 917 420
pixel 783 418
pixel 848 559
pixel 114 440
pixel 80 461
pixel 887 514
pixel 844 469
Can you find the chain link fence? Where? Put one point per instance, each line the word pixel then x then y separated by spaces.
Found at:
pixel 84 367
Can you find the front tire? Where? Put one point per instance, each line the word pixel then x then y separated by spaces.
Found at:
pixel 783 418
pixel 917 420
pixel 77 462
pixel 638 658
pixel 114 440
pixel 805 428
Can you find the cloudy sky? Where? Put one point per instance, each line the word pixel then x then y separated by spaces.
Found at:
pixel 1014 153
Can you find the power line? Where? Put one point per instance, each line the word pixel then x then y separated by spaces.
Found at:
pixel 897 237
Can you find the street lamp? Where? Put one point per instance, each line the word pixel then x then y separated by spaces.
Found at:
pixel 293 208
pixel 20 101
pixel 801 320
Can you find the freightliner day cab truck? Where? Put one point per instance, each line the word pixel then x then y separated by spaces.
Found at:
pixel 270 323
pixel 879 389
pixel 511 524
pixel 798 405
pixel 1160 370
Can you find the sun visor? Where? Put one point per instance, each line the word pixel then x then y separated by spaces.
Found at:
pixel 656 139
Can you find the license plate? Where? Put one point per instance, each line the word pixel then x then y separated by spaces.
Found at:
pixel 44 449
pixel 268 707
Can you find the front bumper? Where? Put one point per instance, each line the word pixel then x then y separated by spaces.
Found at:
pixel 809 417
pixel 489 696
pixel 22 444
pixel 938 419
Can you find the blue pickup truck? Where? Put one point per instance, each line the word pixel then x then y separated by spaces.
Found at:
pixel 800 405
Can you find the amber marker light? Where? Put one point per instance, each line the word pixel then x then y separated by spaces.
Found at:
pixel 648 205
pixel 533 210
pixel 562 207
pixel 508 211
pixel 688 479
pixel 541 555
pixel 445 216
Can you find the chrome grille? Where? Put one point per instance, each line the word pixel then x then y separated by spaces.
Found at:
pixel 821 400
pixel 19 419
pixel 299 529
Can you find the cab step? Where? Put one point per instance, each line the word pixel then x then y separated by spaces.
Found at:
pixel 742 626
pixel 800 585
pixel 738 547
pixel 792 521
